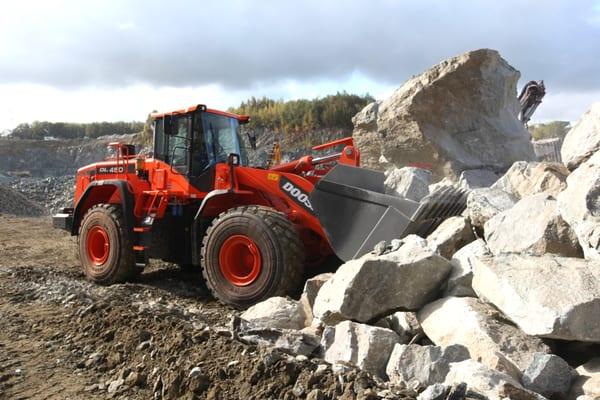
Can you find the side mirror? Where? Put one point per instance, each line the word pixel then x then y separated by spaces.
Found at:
pixel 252 138
pixel 233 160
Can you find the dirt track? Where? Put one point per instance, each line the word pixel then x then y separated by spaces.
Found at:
pixel 63 337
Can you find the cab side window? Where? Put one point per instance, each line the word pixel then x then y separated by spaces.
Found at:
pixel 159 139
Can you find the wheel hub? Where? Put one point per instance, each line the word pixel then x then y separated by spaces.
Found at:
pixel 98 245
pixel 240 260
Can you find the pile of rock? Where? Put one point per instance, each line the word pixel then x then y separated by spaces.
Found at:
pixel 504 299
pixel 15 203
pixel 53 193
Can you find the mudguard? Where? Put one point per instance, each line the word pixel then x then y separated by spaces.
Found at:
pixel 87 200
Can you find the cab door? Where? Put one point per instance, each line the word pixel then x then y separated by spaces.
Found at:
pixel 202 165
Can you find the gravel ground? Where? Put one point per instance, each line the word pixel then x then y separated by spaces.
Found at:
pixel 161 337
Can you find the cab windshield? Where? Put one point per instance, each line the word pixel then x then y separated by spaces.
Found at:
pixel 223 136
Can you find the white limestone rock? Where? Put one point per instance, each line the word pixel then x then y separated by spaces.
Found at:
pixel 480 328
pixel 552 297
pixel 372 287
pixel 366 346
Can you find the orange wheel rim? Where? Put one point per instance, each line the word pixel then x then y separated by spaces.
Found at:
pixel 240 260
pixel 98 245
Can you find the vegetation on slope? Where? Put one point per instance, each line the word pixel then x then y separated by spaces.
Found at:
pixel 330 112
pixel 549 130
pixel 70 130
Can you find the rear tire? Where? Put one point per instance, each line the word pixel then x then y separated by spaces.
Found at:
pixel 252 253
pixel 105 246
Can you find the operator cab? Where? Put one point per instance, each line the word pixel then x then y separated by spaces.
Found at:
pixel 193 141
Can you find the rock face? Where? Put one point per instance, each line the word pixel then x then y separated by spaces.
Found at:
pixel 461 275
pixel 548 375
pixel 423 366
pixel 313 285
pixel 367 288
pixel 583 140
pixel 477 178
pixel 493 384
pixel 437 391
pixel 405 324
pixel 528 178
pixel 409 182
pixel 484 204
pixel 548 296
pixel 436 119
pixel 579 205
pixel 588 381
pixel 533 226
pixel 367 346
pixel 43 158
pixel 451 235
pixel 276 312
pixel 480 328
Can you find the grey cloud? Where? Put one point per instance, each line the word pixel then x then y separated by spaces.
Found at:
pixel 241 44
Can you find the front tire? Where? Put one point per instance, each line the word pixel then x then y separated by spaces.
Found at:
pixel 105 246
pixel 252 253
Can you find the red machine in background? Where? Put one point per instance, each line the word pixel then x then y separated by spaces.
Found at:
pixel 252 230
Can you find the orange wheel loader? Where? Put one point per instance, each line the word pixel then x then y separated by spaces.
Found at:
pixel 251 230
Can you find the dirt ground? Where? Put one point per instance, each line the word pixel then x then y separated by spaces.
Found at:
pixel 62 337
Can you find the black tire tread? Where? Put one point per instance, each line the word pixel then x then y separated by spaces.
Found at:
pixel 126 270
pixel 291 245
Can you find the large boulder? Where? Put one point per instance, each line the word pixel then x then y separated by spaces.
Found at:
pixel 422 366
pixel 583 140
pixel 579 205
pixel 451 235
pixel 409 182
pixel 553 297
pixel 533 226
pixel 483 204
pixel 461 275
pixel 368 347
pixel 437 119
pixel 495 385
pixel 374 286
pixel 527 178
pixel 588 381
pixel 548 374
pixel 480 328
pixel 277 312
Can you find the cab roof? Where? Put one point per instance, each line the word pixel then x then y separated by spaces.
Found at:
pixel 201 107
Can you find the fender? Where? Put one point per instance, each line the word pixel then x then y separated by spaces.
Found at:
pixel 86 201
pixel 201 223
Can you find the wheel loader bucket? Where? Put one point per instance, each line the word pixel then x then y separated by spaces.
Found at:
pixel 356 214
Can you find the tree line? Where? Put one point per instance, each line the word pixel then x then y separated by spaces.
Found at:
pixel 71 130
pixel 293 116
pixel 330 112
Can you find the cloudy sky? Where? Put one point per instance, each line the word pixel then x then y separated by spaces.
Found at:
pixel 73 60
